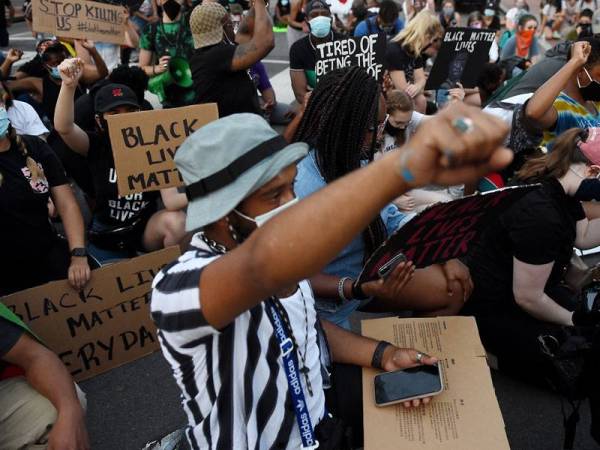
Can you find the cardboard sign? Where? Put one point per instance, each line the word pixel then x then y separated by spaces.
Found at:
pixel 443 231
pixel 465 416
pixel 105 325
pixel 367 52
pixel 144 145
pixel 80 19
pixel 462 55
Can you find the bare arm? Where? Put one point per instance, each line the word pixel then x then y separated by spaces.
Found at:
pixel 132 37
pixel 588 234
pixel 32 85
pixel 399 79
pixel 268 260
pixel 299 84
pixel 347 347
pixel 262 42
pixel 529 282
pixel 49 376
pixel 294 10
pixel 173 199
pixel 64 120
pixel 420 80
pixel 69 212
pixel 540 107
pixel 98 71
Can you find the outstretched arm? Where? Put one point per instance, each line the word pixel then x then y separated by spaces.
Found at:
pixel 262 42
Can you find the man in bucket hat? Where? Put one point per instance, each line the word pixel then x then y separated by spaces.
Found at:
pixel 219 65
pixel 237 322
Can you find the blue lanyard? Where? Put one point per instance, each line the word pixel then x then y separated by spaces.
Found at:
pixel 290 366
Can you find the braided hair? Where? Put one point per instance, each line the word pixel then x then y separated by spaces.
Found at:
pixel 17 141
pixel 339 113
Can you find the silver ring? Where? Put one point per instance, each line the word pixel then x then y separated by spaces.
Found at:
pixel 463 124
pixel 419 357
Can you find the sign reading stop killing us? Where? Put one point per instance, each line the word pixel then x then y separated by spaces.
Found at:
pixel 367 52
pixel 103 326
pixel 144 145
pixel 80 19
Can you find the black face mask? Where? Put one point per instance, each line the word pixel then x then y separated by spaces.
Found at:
pixel 592 91
pixel 393 131
pixel 586 30
pixel 588 190
pixel 171 8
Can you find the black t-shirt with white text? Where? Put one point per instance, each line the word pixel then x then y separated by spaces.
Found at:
pixel 214 81
pixel 24 224
pixel 112 210
pixel 397 58
pixel 538 229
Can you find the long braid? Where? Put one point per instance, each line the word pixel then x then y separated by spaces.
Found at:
pixel 338 115
pixel 35 170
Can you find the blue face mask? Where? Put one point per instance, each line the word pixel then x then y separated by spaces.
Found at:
pixel 55 73
pixel 320 26
pixel 4 122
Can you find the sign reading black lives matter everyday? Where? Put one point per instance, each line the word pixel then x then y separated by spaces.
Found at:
pixel 367 52
pixel 462 55
pixel 104 325
pixel 444 231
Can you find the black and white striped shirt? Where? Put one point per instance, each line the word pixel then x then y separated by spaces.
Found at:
pixel 234 389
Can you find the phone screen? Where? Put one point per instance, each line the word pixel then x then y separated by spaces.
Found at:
pixel 407 383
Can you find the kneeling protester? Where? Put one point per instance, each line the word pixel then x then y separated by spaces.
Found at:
pixel 236 318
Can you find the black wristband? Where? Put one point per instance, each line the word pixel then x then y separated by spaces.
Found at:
pixel 378 354
pixel 357 292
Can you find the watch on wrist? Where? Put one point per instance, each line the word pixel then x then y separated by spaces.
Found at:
pixel 79 252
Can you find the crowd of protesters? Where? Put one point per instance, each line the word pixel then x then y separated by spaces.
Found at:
pixel 274 243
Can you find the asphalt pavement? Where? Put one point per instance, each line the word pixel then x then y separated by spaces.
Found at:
pixel 139 402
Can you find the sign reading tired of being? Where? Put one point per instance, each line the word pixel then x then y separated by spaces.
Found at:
pixel 460 59
pixel 367 52
pixel 103 326
pixel 144 145
pixel 80 19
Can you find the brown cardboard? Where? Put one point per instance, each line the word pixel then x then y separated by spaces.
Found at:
pixel 466 416
pixel 80 19
pixel 144 144
pixel 106 325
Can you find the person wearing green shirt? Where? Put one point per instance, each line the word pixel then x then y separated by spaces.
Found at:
pixel 161 41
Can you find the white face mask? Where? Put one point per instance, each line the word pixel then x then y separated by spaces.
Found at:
pixel 264 218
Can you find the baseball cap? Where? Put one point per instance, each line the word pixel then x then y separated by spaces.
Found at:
pixel 226 161
pixel 113 95
pixel 316 4
pixel 206 24
pixel 590 147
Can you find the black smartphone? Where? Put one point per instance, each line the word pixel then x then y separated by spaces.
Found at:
pixel 408 384
pixel 387 268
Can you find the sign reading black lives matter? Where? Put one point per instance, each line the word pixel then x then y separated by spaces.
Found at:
pixel 367 52
pixel 444 231
pixel 144 145
pixel 462 55
pixel 104 325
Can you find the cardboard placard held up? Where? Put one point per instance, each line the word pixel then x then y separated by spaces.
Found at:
pixel 466 416
pixel 144 145
pixel 462 55
pixel 367 52
pixel 80 19
pixel 105 325
pixel 443 231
